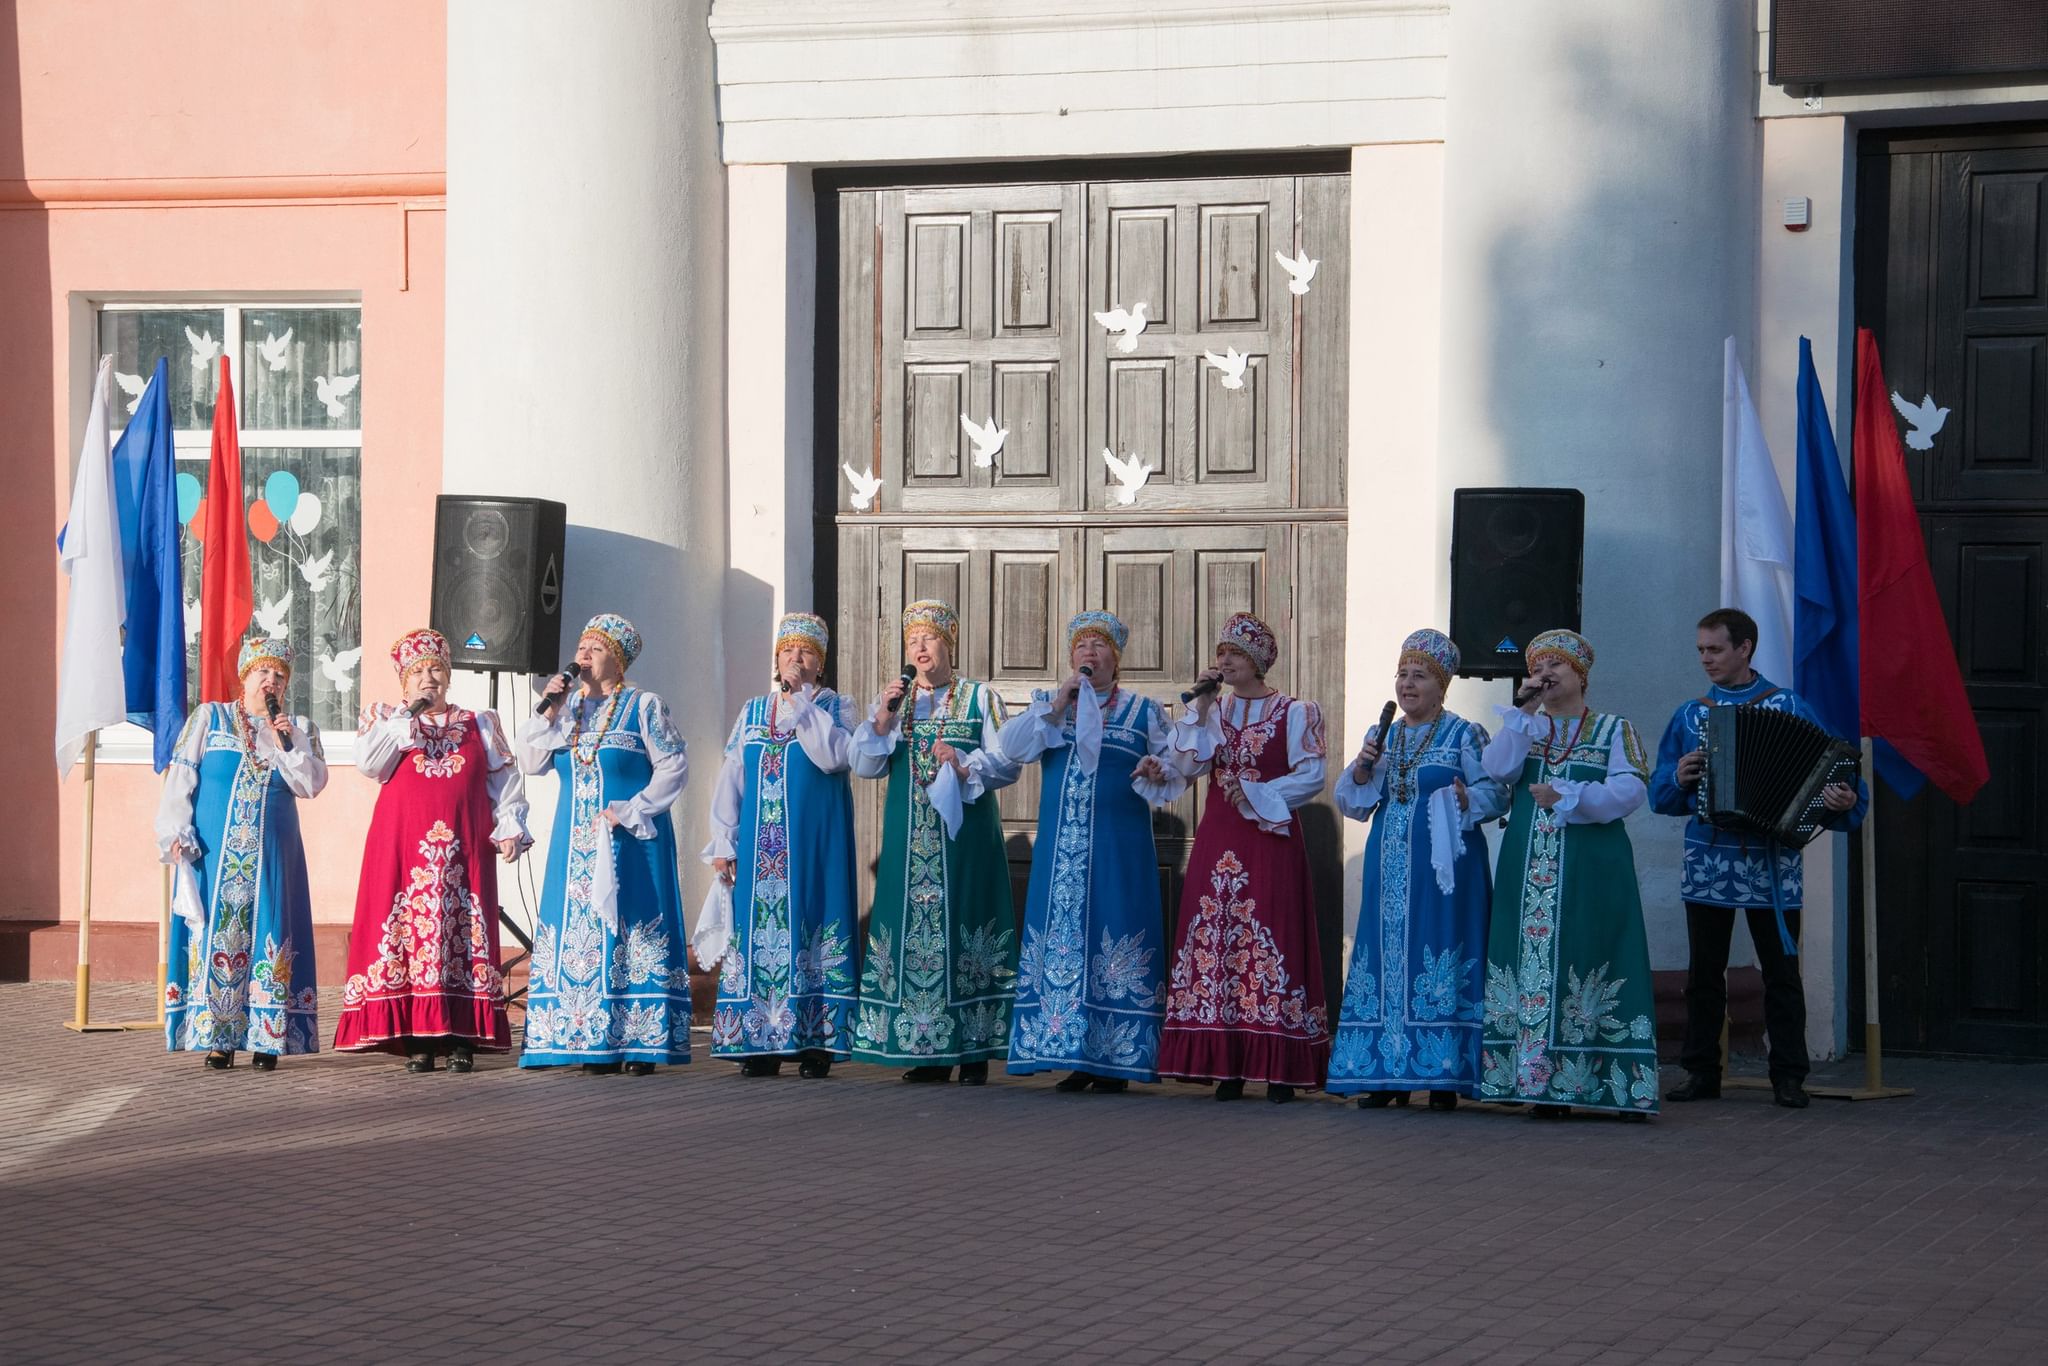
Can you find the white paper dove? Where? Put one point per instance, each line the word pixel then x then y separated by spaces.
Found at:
pixel 333 391
pixel 1925 418
pixel 1130 475
pixel 1300 270
pixel 865 486
pixel 131 385
pixel 1125 323
pixel 988 441
pixel 340 670
pixel 1231 363
pixel 191 620
pixel 273 349
pixel 204 348
pixel 271 617
pixel 313 570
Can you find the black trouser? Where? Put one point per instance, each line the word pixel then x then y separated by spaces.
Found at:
pixel 1708 930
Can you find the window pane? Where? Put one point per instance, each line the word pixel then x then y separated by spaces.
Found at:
pixel 135 340
pixel 302 369
pixel 306 572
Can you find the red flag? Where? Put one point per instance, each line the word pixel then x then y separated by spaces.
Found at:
pixel 225 596
pixel 1912 688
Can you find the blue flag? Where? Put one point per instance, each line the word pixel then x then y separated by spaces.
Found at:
pixel 146 502
pixel 1824 659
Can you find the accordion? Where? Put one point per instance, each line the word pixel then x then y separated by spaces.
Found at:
pixel 1765 771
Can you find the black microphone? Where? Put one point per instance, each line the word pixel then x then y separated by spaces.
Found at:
pixel 419 705
pixel 909 676
pixel 1087 671
pixel 1530 693
pixel 270 705
pixel 1201 689
pixel 1386 725
pixel 568 675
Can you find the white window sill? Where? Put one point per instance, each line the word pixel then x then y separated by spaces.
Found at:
pixel 131 744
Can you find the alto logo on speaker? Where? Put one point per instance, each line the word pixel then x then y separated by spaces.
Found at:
pixel 1507 646
pixel 550 587
pixel 475 642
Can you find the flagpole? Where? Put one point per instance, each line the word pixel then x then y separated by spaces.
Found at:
pixel 81 1021
pixel 163 947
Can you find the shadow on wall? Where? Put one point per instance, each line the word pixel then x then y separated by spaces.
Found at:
pixel 28 562
pixel 750 639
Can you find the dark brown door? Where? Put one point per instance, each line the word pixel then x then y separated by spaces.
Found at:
pixel 1952 272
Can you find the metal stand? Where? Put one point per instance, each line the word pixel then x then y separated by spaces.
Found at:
pixel 81 1021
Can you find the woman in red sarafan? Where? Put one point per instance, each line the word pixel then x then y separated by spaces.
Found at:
pixel 1245 1002
pixel 423 954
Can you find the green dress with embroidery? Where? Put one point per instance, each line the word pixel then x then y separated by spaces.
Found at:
pixel 941 962
pixel 1570 1008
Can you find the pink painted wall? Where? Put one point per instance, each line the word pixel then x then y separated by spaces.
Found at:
pixel 273 147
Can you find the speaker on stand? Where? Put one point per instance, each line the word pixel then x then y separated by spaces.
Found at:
pixel 497 597
pixel 1517 559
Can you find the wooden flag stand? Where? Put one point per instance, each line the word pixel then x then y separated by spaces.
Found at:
pixel 82 1021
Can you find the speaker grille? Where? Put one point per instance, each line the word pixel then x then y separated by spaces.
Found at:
pixel 497 591
pixel 1516 559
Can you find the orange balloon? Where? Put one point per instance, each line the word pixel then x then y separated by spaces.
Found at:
pixel 198 522
pixel 262 521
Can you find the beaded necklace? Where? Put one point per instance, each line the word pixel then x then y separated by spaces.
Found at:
pixel 1548 758
pixel 248 738
pixel 924 734
pixel 586 753
pixel 1405 761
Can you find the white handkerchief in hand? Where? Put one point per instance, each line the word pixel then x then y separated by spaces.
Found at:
pixel 1446 836
pixel 185 898
pixel 1087 729
pixel 944 795
pixel 712 938
pixel 604 879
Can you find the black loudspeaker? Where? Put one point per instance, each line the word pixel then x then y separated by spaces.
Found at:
pixel 498 582
pixel 1516 558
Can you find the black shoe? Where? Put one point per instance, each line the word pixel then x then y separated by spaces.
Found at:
pixel 220 1059
pixel 1550 1111
pixel 814 1065
pixel 420 1060
pixel 974 1074
pixel 1696 1086
pixel 928 1076
pixel 462 1058
pixel 1229 1090
pixel 1375 1100
pixel 639 1069
pixel 1075 1081
pixel 267 1062
pixel 760 1067
pixel 1279 1093
pixel 1443 1100
pixel 602 1069
pixel 1789 1093
pixel 1111 1086
pixel 1634 1117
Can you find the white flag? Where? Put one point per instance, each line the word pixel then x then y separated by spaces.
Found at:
pixel 1756 527
pixel 91 694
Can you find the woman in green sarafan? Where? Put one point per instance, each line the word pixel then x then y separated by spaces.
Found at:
pixel 941 962
pixel 1570 1013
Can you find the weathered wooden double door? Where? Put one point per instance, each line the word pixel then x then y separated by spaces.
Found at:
pixel 978 301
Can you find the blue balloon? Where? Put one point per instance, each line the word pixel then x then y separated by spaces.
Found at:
pixel 188 497
pixel 281 491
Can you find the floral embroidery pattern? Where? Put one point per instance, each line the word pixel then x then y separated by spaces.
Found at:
pixel 1230 972
pixel 439 754
pixel 436 937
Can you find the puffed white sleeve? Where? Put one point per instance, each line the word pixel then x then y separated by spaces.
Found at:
pixel 1506 752
pixel 1159 745
pixel 727 790
pixel 304 766
pixel 822 731
pixel 383 734
pixel 1613 797
pixel 1026 736
pixel 503 782
pixel 1303 782
pixel 989 768
pixel 872 749
pixel 1195 738
pixel 671 761
pixel 1359 800
pixel 542 734
pixel 1486 797
pixel 181 780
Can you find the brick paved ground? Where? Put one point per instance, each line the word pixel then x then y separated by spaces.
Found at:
pixel 342 1210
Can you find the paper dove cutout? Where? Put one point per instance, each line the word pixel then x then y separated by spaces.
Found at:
pixel 1300 270
pixel 271 618
pixel 340 670
pixel 988 441
pixel 131 385
pixel 333 391
pixel 865 486
pixel 1130 475
pixel 273 349
pixel 1128 323
pixel 192 620
pixel 314 571
pixel 1231 363
pixel 1926 419
pixel 204 348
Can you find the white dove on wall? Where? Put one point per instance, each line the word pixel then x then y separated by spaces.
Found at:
pixel 1130 475
pixel 271 617
pixel 340 670
pixel 273 349
pixel 1127 323
pixel 333 391
pixel 1231 363
pixel 1926 419
pixel 192 620
pixel 988 441
pixel 1300 270
pixel 131 385
pixel 865 486
pixel 204 348
pixel 313 570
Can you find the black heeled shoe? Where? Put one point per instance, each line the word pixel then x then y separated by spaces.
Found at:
pixel 758 1066
pixel 1634 1117
pixel 1075 1081
pixel 814 1066
pixel 602 1069
pixel 1550 1112
pixel 1443 1100
pixel 1279 1093
pixel 637 1068
pixel 219 1060
pixel 420 1059
pixel 1230 1090
pixel 974 1074
pixel 263 1062
pixel 1375 1100
pixel 928 1076
pixel 462 1058
pixel 1110 1086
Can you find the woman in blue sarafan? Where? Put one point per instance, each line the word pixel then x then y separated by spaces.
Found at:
pixel 782 839
pixel 241 946
pixel 1413 1004
pixel 1090 983
pixel 610 981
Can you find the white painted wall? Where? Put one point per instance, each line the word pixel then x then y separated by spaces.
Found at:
pixel 585 322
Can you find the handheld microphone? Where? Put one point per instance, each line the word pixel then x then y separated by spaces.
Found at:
pixel 783 684
pixel 1386 726
pixel 1087 671
pixel 568 675
pixel 419 704
pixel 909 676
pixel 1530 693
pixel 1201 689
pixel 270 706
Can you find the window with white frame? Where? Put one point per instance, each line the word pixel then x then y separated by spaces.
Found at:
pixel 297 371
